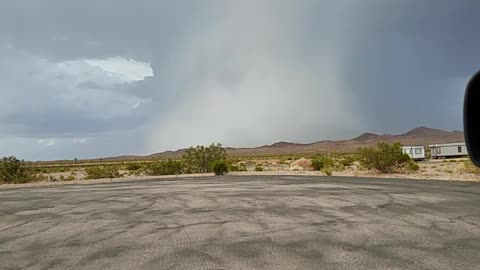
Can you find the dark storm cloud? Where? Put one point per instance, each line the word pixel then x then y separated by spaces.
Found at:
pixel 240 72
pixel 412 61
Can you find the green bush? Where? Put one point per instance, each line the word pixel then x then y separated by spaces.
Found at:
pixel 337 166
pixel 347 161
pixel 220 167
pixel 237 168
pixel 321 161
pixel 169 167
pixel 412 166
pixel 259 169
pixel 386 158
pixel 99 172
pixel 133 166
pixel 201 159
pixel 13 170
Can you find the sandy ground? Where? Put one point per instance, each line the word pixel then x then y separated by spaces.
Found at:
pixel 414 176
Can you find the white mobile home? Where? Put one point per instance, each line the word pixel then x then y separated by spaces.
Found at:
pixel 415 152
pixel 449 150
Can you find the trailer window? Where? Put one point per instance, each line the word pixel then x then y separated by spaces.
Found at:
pixel 438 150
pixel 418 151
pixel 459 149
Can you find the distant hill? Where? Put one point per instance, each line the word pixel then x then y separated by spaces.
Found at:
pixel 416 136
pixel 365 137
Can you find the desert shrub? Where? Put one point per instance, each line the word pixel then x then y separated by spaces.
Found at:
pixel 237 168
pixel 99 172
pixel 321 161
pixel 386 158
pixel 258 168
pixel 133 166
pixel 328 171
pixel 360 167
pixel 470 167
pixel 220 167
pixel 201 159
pixel 40 177
pixel 249 163
pixel 347 161
pixel 412 166
pixel 13 170
pixel 281 161
pixel 71 177
pixel 428 153
pixel 337 166
pixel 169 167
pixel 51 169
pixel 234 160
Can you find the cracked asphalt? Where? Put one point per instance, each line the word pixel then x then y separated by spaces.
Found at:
pixel 243 222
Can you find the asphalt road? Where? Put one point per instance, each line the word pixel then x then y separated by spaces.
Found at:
pixel 258 222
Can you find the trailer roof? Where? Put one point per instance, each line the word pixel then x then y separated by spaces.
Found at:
pixel 448 144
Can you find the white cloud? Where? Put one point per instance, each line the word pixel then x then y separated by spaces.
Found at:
pixel 79 140
pixel 47 142
pixel 128 69
pixel 42 98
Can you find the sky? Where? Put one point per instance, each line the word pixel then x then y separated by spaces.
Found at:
pixel 97 78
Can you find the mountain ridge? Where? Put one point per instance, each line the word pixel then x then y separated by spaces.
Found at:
pixel 418 136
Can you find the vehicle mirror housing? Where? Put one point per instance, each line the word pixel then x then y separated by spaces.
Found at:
pixel 471 118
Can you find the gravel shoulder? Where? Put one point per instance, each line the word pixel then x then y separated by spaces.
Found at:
pixel 353 174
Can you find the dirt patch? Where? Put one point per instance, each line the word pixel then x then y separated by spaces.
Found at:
pixel 302 164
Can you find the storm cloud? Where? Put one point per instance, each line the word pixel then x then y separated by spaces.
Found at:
pixel 99 78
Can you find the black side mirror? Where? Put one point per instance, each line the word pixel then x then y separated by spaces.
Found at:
pixel 471 118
